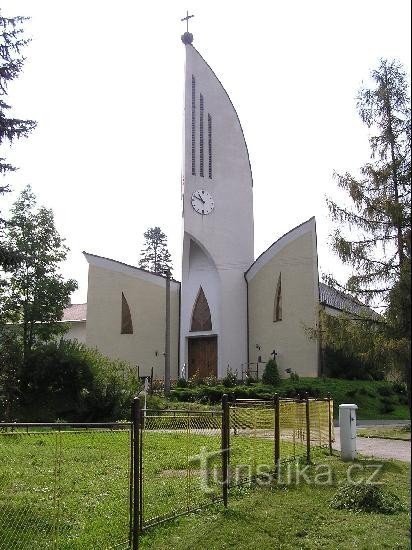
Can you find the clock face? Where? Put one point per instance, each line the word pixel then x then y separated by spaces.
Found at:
pixel 202 202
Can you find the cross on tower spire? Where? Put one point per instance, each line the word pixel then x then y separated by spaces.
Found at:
pixel 187 20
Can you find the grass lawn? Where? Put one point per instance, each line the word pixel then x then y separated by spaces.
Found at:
pixel 291 518
pixel 72 488
pixel 70 491
pixel 398 432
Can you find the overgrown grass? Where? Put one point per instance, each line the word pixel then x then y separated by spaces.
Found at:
pixel 290 518
pixel 397 432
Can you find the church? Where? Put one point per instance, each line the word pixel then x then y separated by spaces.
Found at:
pixel 230 312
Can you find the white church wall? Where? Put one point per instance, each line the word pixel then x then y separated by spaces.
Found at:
pixel 145 295
pixel 294 256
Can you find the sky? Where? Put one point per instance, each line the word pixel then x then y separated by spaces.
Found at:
pixel 104 80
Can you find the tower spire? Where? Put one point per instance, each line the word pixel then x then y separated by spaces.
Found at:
pixel 187 37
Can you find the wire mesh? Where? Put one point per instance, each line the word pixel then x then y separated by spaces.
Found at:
pixel 63 488
pixel 181 458
pixel 253 434
pixel 251 441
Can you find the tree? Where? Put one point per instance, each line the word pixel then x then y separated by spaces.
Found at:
pixel 271 373
pixel 155 255
pixel 12 43
pixel 36 294
pixel 379 216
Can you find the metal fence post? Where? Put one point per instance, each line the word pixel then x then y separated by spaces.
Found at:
pixel 276 406
pixel 136 420
pixel 330 417
pixel 307 428
pixel 225 448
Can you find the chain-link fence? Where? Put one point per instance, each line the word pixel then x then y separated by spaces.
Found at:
pixel 184 460
pixel 87 486
pixel 179 450
pixel 64 486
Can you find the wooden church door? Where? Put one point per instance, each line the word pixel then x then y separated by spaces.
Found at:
pixel 203 356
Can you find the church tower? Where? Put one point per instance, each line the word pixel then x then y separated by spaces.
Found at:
pixel 217 225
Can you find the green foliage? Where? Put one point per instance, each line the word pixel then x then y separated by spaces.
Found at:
pixel 230 380
pixel 11 362
pixel 340 364
pixel 365 394
pixel 271 374
pixel 378 242
pixel 294 376
pixel 181 383
pixel 12 43
pixel 355 348
pixel 36 293
pixel 366 498
pixel 155 256
pixel 69 381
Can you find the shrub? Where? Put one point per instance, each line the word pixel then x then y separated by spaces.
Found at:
pixel 68 380
pixel 386 391
pixel 366 498
pixel 294 376
pixel 339 364
pixel 271 373
pixel 352 393
pixel 181 383
pixel 230 380
pixel 386 405
pixel 399 388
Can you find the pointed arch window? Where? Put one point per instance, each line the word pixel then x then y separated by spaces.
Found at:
pixel 126 324
pixel 201 318
pixel 277 309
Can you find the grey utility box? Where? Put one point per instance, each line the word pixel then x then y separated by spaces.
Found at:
pixel 347 425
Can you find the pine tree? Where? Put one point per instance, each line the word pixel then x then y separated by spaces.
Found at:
pixel 36 294
pixel 12 42
pixel 378 246
pixel 155 256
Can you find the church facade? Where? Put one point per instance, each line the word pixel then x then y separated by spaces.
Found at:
pixel 229 312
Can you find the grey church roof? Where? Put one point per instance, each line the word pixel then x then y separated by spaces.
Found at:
pixel 337 299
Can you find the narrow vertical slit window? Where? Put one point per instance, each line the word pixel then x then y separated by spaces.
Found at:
pixel 126 322
pixel 193 126
pixel 201 141
pixel 209 139
pixel 277 309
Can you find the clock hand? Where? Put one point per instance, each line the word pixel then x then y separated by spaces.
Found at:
pixel 200 198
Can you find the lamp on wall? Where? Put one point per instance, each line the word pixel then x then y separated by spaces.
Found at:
pixel 274 353
pixel 258 347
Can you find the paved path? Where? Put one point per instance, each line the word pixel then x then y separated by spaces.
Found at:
pixel 380 448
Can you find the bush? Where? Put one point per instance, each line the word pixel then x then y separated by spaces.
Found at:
pixel 385 391
pixel 181 383
pixel 70 381
pixel 366 498
pixel 294 376
pixel 339 364
pixel 230 380
pixel 399 388
pixel 386 405
pixel 271 374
